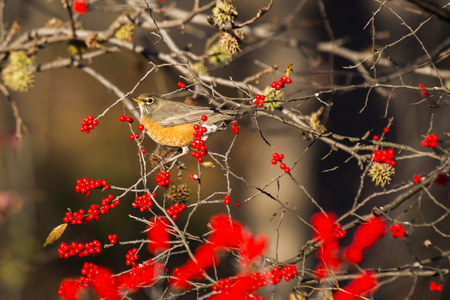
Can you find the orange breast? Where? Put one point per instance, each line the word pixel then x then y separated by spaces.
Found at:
pixel 175 136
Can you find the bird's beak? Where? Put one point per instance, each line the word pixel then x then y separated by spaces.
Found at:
pixel 137 100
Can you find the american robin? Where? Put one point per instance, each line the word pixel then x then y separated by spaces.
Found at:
pixel 171 123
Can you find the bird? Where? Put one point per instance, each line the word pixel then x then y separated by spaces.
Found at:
pixel 171 123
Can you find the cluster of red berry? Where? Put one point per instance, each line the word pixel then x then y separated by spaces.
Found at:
pixel 254 281
pixel 141 275
pixel 363 285
pixel 193 177
pixel 325 232
pixel 96 210
pixel 85 185
pixel 276 157
pixel 144 202
pixel 80 6
pixel 158 234
pixel 377 137
pixel 226 234
pixel 131 257
pixel 338 232
pixel 288 271
pixel 423 90
pixel 88 124
pixel 134 136
pixel 88 271
pixel 384 156
pixel 122 118
pixel 75 218
pixel 435 287
pixel 93 213
pixel 365 237
pixel 278 85
pixel 112 238
pixel 259 100
pixel 80 249
pixel 430 141
pixel 70 287
pixel 441 179
pixel 106 285
pixel 175 209
pixel 198 143
pixel 226 200
pixel 163 179
pixel 181 85
pixel 397 230
pixel 235 127
pixel 417 178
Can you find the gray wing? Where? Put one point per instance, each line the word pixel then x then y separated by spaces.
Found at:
pixel 193 114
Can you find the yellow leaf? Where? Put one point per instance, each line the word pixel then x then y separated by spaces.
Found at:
pixel 288 69
pixel 55 234
pixel 447 84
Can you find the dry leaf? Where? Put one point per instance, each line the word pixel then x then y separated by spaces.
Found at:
pixel 55 234
pixel 208 164
pixel 288 69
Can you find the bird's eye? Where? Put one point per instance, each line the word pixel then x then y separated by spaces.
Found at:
pixel 150 100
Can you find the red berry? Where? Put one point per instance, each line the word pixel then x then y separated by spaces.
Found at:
pixel 122 118
pixel 141 127
pixel 386 129
pixel 288 80
pixel 181 85
pixel 129 119
pixel 390 153
pixel 131 136
pixel 80 6
pixel 203 118
pixel 376 137
pixel 397 231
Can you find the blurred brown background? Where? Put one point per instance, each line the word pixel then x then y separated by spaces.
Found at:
pixel 38 174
